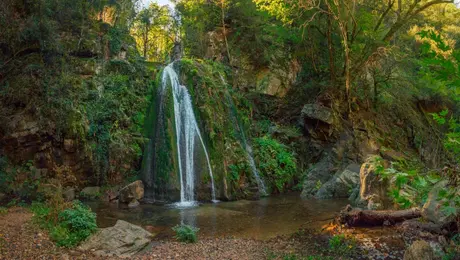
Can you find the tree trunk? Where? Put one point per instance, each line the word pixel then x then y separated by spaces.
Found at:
pixel 331 47
pixel 146 39
pixel 224 31
pixel 359 217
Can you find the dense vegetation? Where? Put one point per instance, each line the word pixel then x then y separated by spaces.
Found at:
pixel 78 81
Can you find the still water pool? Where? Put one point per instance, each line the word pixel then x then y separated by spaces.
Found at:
pixel 262 219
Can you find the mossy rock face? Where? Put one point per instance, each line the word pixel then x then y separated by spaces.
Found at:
pixel 217 111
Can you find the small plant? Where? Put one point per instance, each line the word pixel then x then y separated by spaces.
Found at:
pixel 342 245
pixel 185 233
pixel 3 211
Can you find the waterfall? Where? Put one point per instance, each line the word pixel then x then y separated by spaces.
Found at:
pixel 187 132
pixel 247 147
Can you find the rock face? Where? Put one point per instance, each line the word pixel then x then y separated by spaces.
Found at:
pixel 341 184
pixel 122 240
pixel 320 173
pixel 317 121
pixel 373 190
pixel 432 209
pixel 132 192
pixel 419 250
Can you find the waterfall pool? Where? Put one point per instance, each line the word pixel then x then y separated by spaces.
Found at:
pixel 262 219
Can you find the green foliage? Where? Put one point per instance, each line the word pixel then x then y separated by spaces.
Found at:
pixel 342 245
pixel 453 250
pixel 3 211
pixel 185 233
pixel 276 164
pixel 74 224
pixel 409 186
pixel 20 181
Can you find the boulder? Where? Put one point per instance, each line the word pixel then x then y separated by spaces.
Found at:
pixel 133 191
pixel 419 250
pixel 91 192
pixel 432 210
pixel 373 189
pixel 318 112
pixel 318 174
pixel 122 240
pixel 341 185
pixel 69 194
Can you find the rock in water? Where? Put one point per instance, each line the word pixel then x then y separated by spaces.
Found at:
pixel 133 204
pixel 341 184
pixel 432 210
pixel 419 250
pixel 131 192
pixel 122 240
pixel 91 192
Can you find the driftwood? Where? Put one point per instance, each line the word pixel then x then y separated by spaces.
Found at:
pixel 358 217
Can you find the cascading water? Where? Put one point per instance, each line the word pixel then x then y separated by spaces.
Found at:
pixel 186 132
pixel 247 147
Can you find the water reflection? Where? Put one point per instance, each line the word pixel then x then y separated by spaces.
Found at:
pixel 263 219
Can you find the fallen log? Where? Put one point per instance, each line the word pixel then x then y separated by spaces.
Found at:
pixel 359 217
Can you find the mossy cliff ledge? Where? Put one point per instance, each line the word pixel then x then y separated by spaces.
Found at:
pixel 219 113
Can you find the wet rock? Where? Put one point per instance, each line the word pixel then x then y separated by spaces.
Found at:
pixel 432 210
pixel 341 184
pixel 122 240
pixel 373 189
pixel 419 250
pixel 69 194
pixel 91 192
pixel 133 191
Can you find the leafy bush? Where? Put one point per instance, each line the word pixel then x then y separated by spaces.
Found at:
pixel 19 181
pixel 275 162
pixel 185 233
pixel 74 224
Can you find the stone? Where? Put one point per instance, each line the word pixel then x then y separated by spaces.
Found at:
pixel 69 194
pixel 133 204
pixel 318 112
pixel 341 184
pixel 318 174
pixel 133 191
pixel 419 250
pixel 122 240
pixel 432 210
pixel 91 192
pixel 373 189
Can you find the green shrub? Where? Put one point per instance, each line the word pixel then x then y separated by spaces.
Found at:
pixel 275 162
pixel 185 233
pixel 74 224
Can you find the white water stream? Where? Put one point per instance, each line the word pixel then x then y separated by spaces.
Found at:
pixel 186 132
